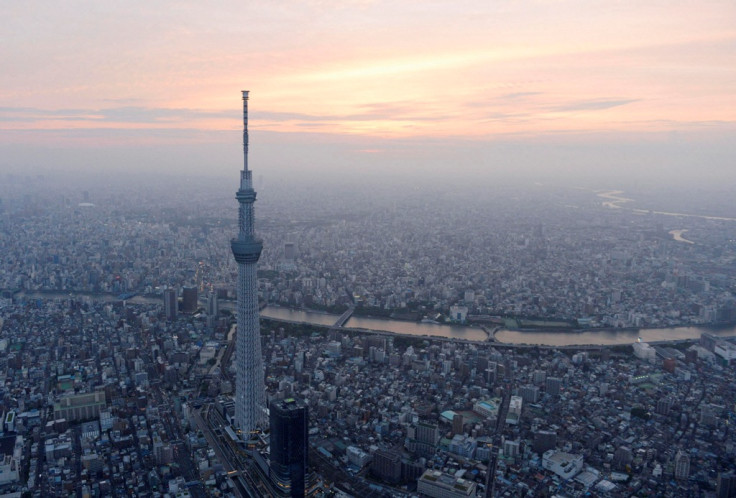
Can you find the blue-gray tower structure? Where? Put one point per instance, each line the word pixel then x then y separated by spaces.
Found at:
pixel 250 413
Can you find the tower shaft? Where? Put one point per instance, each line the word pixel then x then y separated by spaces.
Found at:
pixel 250 387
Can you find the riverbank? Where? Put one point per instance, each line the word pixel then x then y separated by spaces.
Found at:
pixel 501 337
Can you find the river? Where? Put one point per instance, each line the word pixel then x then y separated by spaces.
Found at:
pixel 589 337
pixel 677 235
pixel 381 324
pixel 609 337
pixel 546 338
pixel 614 200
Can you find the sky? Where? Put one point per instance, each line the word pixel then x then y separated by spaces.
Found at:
pixel 436 87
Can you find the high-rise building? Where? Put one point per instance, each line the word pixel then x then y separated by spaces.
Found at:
pixel 543 441
pixel 213 309
pixel 664 405
pixel 170 304
pixel 530 394
pixel 726 485
pixel 427 436
pixel 458 424
pixel 189 299
pixel 514 412
pixel 213 305
pixel 288 262
pixel 386 465
pixel 682 465
pixel 553 385
pixel 622 457
pixel 250 388
pixel 511 448
pixel 539 377
pixel 289 459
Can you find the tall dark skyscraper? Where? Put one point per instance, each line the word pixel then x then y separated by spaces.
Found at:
pixel 289 445
pixel 189 299
pixel 250 389
pixel 170 304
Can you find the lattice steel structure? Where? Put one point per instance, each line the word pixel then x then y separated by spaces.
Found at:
pixel 250 413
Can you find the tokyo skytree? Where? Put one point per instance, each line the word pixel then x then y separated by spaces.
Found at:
pixel 250 393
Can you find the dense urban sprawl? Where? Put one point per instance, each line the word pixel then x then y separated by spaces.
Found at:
pixel 117 342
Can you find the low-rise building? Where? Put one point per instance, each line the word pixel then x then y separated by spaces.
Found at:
pixel 84 406
pixel 439 485
pixel 563 464
pixel 487 408
pixel 357 457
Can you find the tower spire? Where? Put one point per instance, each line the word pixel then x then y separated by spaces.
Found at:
pixel 245 129
pixel 249 388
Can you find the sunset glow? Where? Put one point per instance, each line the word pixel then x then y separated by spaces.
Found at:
pixel 469 70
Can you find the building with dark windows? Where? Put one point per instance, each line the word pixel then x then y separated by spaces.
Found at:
pixel 427 436
pixel 213 305
pixel 543 441
pixel 171 305
pixel 386 465
pixel 289 446
pixel 726 485
pixel 458 424
pixel 553 385
pixel 189 299
pixel 682 465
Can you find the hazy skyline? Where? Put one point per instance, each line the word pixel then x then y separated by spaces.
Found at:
pixel 506 88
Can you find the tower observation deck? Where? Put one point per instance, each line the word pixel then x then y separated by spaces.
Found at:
pixel 250 394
